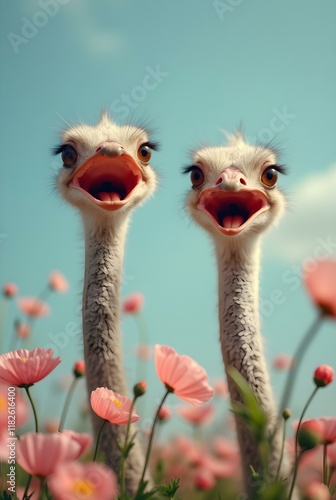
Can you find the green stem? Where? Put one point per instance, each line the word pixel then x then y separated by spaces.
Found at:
pixel 297 358
pixel 67 404
pixel 298 457
pixel 125 452
pixel 325 465
pixel 331 471
pixel 150 442
pixel 26 387
pixel 98 439
pixel 282 448
pixel 296 465
pixel 27 487
pixel 43 295
pixel 301 418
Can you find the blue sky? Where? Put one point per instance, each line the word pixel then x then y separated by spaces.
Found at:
pixel 267 65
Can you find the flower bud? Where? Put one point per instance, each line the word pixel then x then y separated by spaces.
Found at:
pixel 139 389
pixel 164 414
pixel 10 289
pixel 323 375
pixel 58 282
pixel 311 434
pixel 79 369
pixel 133 303
pixel 286 414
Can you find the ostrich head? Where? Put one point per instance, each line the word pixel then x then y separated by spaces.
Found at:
pixel 234 189
pixel 105 168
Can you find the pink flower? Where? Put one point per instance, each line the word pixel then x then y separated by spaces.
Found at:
pixel 323 375
pixel 133 303
pixel 112 406
pixel 204 479
pixel 219 468
pixel 10 289
pixel 321 285
pixel 33 307
pixel 329 425
pixel 283 362
pixel 84 440
pixel 190 450
pixel 164 413
pixel 25 368
pixel 58 282
pixel 197 415
pixel 182 375
pixel 79 369
pixel 317 491
pixel 40 454
pixel 225 448
pixel 89 481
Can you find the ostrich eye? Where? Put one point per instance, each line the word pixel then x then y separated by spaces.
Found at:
pixel 144 153
pixel 269 177
pixel 69 156
pixel 196 177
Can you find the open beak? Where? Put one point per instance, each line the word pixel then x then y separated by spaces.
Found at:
pixel 108 180
pixel 232 211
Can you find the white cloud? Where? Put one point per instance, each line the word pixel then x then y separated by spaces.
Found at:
pixel 308 228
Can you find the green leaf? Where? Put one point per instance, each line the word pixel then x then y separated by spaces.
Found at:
pixel 141 494
pixel 250 410
pixel 169 489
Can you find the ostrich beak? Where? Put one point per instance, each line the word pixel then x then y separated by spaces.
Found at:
pixel 230 205
pixel 109 177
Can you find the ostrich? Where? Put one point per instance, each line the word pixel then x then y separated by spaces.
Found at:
pixel 105 174
pixel 234 197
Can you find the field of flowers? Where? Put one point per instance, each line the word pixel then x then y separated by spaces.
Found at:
pixel 49 461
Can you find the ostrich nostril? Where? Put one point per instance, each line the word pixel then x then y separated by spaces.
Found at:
pixel 219 181
pixel 98 149
pixel 242 181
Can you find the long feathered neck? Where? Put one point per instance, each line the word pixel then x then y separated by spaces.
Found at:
pixel 104 250
pixel 241 342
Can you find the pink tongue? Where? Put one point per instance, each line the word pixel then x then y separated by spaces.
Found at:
pixel 232 221
pixel 104 196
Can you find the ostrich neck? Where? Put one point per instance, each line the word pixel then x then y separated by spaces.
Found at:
pixel 241 342
pixel 240 337
pixel 104 251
